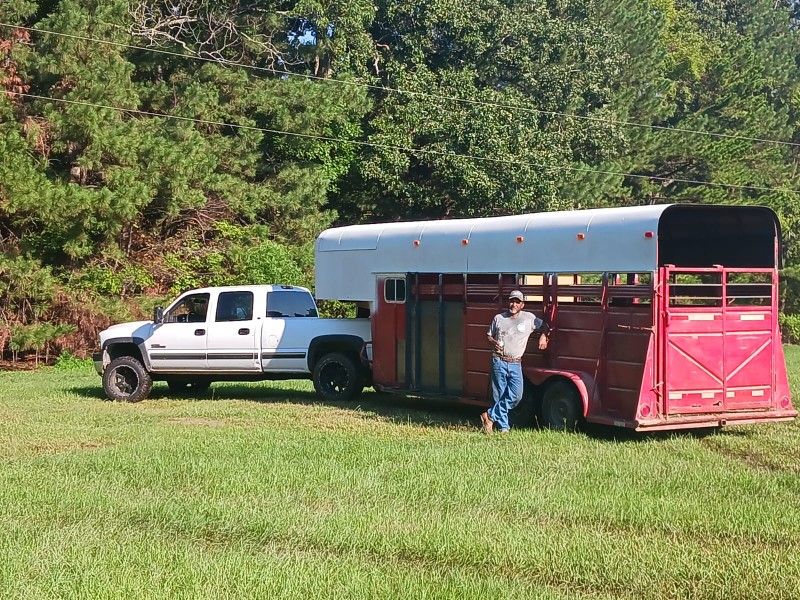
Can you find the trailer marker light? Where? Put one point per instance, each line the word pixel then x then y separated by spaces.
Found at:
pixel 648 234
pixel 645 411
pixel 465 242
pixel 520 239
pixel 415 243
pixel 581 236
pixel 785 402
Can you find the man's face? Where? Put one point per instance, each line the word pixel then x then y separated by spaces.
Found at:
pixel 514 305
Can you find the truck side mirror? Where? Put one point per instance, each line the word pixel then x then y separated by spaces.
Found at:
pixel 158 314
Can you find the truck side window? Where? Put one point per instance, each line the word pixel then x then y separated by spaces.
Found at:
pixel 234 306
pixel 191 309
pixel 394 290
pixel 290 303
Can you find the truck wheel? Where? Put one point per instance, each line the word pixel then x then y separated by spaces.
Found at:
pixel 338 377
pixel 126 380
pixel 189 387
pixel 561 408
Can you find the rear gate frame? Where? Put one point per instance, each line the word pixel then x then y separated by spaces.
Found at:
pixel 716 362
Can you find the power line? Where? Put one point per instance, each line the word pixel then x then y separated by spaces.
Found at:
pixel 430 95
pixel 408 149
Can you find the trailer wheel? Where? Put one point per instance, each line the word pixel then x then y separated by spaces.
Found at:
pixel 338 377
pixel 524 414
pixel 126 380
pixel 561 407
pixel 189 387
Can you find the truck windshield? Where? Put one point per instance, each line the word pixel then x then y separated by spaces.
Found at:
pixel 290 303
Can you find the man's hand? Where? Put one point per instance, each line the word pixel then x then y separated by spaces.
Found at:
pixel 494 344
pixel 543 341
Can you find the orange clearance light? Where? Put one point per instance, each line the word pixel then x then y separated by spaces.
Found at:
pixel 465 242
pixel 581 236
pixel 648 234
pixel 520 239
pixel 415 243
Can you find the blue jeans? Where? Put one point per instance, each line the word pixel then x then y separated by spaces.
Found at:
pixel 507 390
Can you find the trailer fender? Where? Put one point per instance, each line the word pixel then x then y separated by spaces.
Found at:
pixel 583 382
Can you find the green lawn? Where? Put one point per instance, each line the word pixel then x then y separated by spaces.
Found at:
pixel 259 491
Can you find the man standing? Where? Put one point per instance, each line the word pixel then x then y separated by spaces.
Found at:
pixel 508 335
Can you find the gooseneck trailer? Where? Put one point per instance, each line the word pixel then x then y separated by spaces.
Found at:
pixel 663 317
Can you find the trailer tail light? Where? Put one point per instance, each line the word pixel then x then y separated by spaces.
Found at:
pixel 645 411
pixel 581 236
pixel 648 234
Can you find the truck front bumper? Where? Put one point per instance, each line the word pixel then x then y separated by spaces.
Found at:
pixel 97 358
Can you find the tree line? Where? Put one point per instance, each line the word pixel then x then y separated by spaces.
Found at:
pixel 150 146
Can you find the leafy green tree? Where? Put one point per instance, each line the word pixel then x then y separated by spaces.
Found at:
pixel 475 158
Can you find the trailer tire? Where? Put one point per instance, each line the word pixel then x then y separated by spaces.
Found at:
pixel 188 387
pixel 561 407
pixel 338 377
pixel 126 380
pixel 524 414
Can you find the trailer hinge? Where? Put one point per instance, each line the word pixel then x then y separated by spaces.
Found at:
pixel 634 328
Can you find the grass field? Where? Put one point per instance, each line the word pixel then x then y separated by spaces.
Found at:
pixel 259 491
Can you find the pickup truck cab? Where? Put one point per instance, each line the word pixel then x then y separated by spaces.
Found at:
pixel 237 333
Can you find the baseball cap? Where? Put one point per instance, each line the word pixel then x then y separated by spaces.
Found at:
pixel 516 294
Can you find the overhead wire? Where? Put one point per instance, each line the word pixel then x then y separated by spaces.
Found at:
pixel 409 149
pixel 397 90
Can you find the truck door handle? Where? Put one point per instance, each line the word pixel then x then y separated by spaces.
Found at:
pixel 199 331
pixel 244 331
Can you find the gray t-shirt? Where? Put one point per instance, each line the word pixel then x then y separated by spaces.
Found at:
pixel 514 332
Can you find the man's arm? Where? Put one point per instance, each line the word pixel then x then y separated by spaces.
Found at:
pixel 491 335
pixel 541 326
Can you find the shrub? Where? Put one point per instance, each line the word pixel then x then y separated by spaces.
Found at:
pixel 67 361
pixel 790 328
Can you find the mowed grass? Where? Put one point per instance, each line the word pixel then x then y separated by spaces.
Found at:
pixel 259 491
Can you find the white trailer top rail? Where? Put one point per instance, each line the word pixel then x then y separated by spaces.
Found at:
pixel 622 240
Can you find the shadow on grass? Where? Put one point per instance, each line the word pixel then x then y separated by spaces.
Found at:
pixel 426 412
pixel 395 408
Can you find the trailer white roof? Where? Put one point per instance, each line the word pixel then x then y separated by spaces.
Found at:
pixel 578 241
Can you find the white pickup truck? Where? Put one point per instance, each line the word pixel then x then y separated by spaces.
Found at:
pixel 240 333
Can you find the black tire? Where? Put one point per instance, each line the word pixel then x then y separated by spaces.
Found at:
pixel 338 377
pixel 188 387
pixel 524 414
pixel 126 380
pixel 561 407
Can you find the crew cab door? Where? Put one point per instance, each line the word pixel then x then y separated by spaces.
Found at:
pixel 232 333
pixel 290 325
pixel 178 343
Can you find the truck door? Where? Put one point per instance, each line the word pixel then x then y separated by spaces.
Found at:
pixel 290 325
pixel 232 334
pixel 179 342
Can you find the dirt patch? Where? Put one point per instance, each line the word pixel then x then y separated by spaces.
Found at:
pixel 62 446
pixel 779 463
pixel 200 422
pixel 20 365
